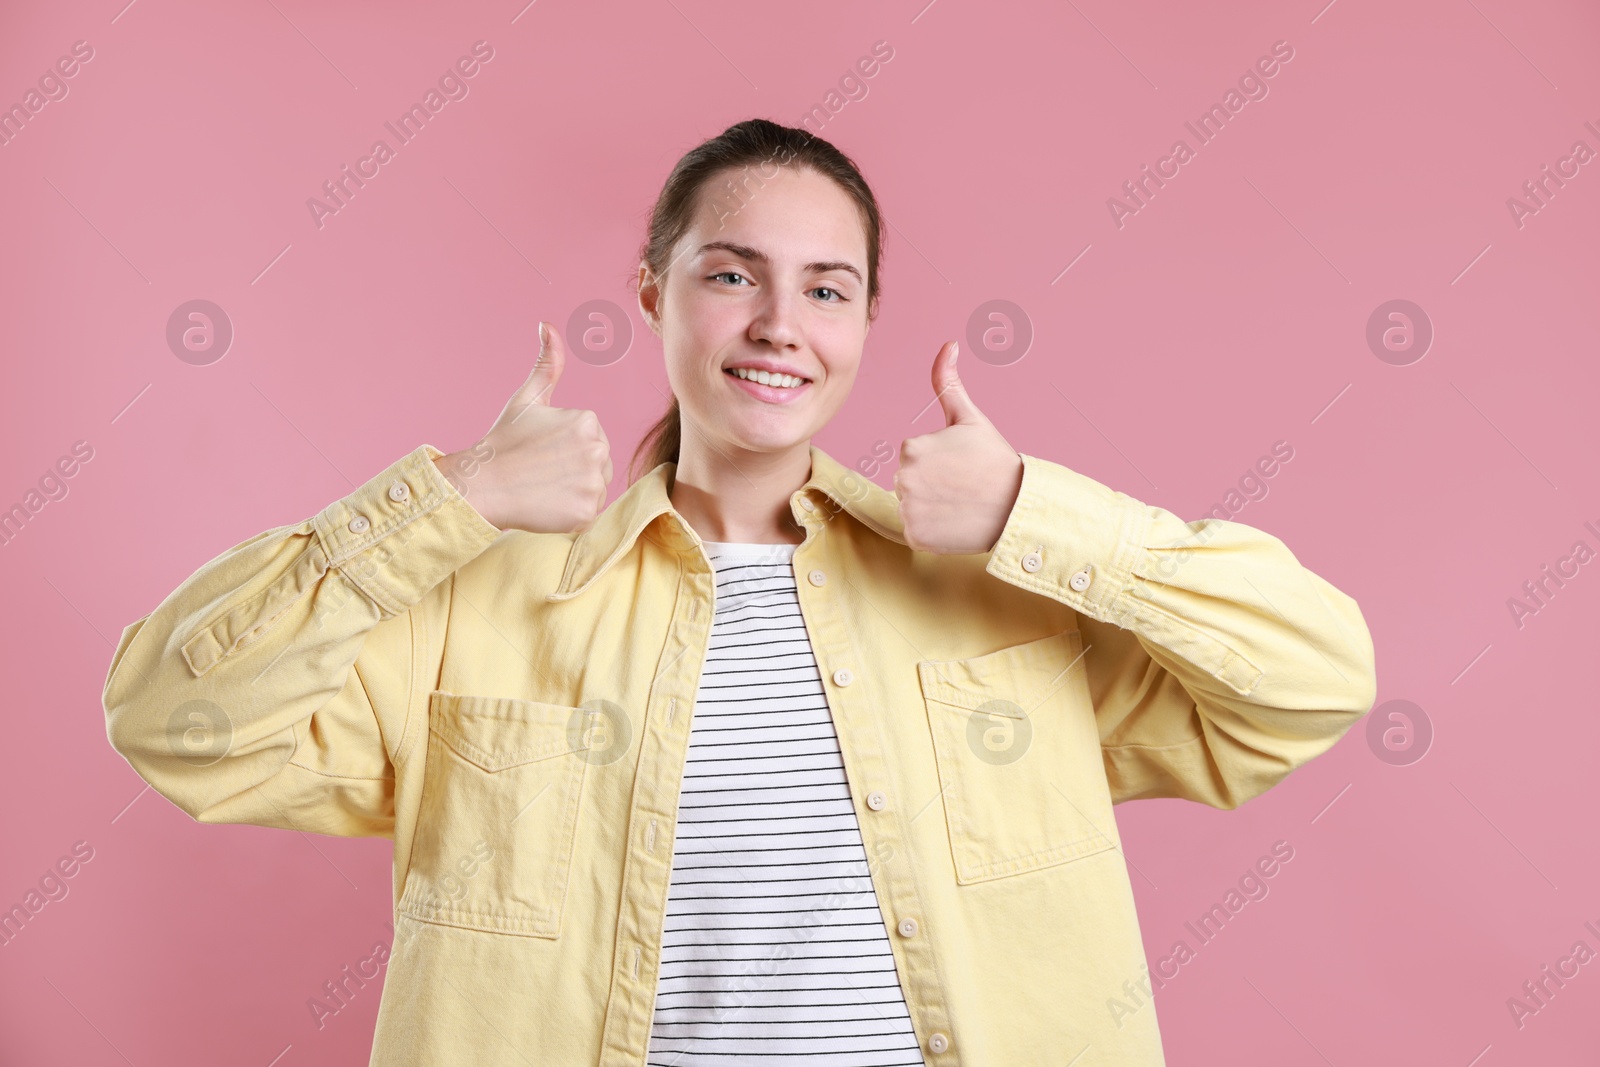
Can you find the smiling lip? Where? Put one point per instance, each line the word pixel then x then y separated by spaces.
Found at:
pixel 768 393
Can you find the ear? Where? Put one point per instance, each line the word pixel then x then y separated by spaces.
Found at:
pixel 649 298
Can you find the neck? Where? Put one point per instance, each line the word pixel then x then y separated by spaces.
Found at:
pixel 730 494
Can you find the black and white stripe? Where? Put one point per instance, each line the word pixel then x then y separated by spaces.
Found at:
pixel 773 948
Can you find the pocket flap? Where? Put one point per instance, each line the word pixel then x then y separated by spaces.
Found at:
pixel 499 732
pixel 1011 681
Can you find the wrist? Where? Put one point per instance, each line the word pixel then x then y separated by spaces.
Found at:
pixel 464 472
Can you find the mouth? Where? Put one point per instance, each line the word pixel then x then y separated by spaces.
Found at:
pixel 768 386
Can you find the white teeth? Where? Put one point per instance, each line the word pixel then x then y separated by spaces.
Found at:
pixel 780 381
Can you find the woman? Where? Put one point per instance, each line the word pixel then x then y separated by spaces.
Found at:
pixel 761 761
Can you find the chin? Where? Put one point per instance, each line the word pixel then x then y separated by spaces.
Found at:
pixel 766 438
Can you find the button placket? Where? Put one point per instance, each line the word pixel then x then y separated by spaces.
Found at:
pixel 867 759
pixel 648 866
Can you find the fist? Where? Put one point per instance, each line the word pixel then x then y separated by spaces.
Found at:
pixel 548 468
pixel 956 485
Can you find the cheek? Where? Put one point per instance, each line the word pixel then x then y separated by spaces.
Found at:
pixel 697 332
pixel 840 351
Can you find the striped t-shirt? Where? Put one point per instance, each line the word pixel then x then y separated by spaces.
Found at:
pixel 773 947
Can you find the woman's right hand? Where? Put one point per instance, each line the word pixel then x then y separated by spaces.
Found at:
pixel 539 468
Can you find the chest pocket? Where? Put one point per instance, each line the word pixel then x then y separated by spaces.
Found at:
pixel 498 815
pixel 1020 769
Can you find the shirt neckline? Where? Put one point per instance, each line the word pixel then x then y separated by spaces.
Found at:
pixel 783 550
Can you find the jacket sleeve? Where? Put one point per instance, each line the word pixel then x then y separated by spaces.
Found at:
pixel 273 686
pixel 1216 662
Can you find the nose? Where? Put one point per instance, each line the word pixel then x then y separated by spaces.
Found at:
pixel 776 319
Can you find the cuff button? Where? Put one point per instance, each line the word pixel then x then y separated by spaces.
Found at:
pixel 1080 581
pixel 359 524
pixel 399 492
pixel 1032 562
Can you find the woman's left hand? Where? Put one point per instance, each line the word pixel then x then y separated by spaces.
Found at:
pixel 956 485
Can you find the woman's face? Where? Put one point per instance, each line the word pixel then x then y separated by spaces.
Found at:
pixel 770 280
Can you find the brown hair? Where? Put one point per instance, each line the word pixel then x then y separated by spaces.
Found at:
pixel 765 146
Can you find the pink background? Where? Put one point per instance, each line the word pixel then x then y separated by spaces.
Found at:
pixel 1228 314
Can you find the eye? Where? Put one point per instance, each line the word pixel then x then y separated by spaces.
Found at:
pixel 824 289
pixel 729 274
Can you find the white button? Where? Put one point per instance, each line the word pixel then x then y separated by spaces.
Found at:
pixel 876 800
pixel 359 524
pixel 843 677
pixel 399 491
pixel 1080 581
pixel 938 1042
pixel 908 928
pixel 1031 562
pixel 817 577
pixel 806 503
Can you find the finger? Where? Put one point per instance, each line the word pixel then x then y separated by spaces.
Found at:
pixel 958 406
pixel 608 470
pixel 541 383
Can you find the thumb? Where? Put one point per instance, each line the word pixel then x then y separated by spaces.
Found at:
pixel 541 383
pixel 958 406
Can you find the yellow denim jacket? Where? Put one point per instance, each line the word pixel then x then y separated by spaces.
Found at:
pixel 513 710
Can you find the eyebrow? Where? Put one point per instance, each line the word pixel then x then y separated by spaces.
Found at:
pixel 755 255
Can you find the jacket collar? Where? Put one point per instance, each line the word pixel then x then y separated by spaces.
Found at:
pixel 831 488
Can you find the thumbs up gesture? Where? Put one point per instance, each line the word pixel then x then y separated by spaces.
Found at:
pixel 956 485
pixel 548 467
